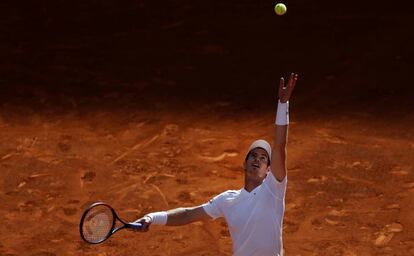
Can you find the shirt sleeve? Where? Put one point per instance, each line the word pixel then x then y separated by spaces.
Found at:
pixel 277 188
pixel 214 207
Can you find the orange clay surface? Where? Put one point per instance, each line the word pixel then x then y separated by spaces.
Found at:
pixel 350 192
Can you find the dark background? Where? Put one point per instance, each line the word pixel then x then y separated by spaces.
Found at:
pixel 87 55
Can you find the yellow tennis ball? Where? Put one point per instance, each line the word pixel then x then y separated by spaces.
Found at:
pixel 280 9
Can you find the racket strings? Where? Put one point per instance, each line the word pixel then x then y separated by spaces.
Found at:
pixel 97 224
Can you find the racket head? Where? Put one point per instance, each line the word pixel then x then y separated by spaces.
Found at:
pixel 97 223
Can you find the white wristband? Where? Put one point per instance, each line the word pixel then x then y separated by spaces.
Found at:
pixel 282 114
pixel 158 218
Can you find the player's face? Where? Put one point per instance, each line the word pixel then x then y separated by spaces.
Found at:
pixel 256 164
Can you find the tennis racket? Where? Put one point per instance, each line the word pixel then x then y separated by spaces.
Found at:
pixel 100 221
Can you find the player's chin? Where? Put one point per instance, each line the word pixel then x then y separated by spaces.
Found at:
pixel 252 170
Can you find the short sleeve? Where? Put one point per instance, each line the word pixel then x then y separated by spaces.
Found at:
pixel 214 207
pixel 277 188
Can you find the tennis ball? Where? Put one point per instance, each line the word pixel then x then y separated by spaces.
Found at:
pixel 280 9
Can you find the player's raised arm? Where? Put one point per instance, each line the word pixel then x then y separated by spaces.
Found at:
pixel 278 161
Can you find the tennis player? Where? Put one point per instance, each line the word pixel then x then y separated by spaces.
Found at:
pixel 254 214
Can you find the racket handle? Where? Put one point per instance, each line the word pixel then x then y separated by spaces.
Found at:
pixel 136 226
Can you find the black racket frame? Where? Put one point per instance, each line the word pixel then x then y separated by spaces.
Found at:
pixel 113 229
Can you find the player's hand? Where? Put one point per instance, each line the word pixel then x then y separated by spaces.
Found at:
pixel 286 91
pixel 146 221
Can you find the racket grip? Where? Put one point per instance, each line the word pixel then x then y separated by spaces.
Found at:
pixel 136 226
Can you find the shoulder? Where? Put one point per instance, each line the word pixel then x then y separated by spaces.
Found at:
pixel 228 194
pixel 225 197
pixel 270 178
pixel 277 188
pixel 218 205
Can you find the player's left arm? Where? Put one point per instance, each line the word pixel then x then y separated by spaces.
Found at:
pixel 278 161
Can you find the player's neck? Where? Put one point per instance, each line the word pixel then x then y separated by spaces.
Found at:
pixel 250 184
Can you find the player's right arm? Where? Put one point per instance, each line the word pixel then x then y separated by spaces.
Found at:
pixel 183 216
pixel 178 217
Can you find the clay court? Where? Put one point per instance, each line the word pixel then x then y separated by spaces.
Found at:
pixel 151 107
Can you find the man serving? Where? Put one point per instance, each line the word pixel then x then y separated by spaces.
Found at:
pixel 254 214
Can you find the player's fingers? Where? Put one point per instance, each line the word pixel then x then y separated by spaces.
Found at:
pixel 281 87
pixel 145 222
pixel 145 228
pixel 290 80
pixel 292 85
pixel 281 83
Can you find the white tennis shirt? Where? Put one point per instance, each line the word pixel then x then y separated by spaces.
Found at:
pixel 254 219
